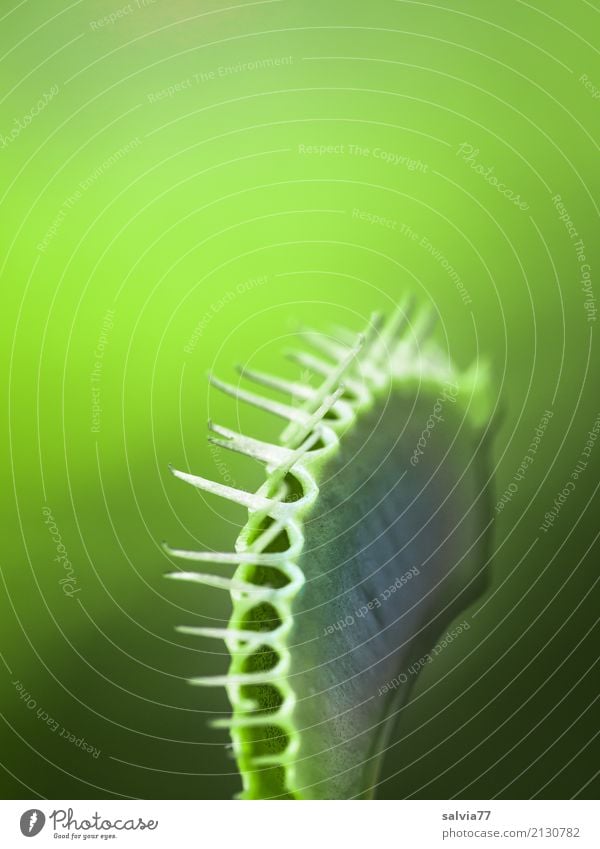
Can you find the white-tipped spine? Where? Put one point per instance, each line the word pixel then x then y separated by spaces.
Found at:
pixel 284 411
pixel 251 500
pixel 287 387
pixel 232 585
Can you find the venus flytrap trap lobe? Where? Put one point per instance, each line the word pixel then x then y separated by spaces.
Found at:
pixel 340 515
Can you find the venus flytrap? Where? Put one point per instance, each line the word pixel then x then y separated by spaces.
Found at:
pixel 341 515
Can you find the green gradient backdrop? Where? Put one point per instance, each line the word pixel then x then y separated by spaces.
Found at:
pixel 201 207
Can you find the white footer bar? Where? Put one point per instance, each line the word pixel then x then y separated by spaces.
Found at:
pixel 256 825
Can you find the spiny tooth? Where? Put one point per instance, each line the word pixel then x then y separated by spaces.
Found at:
pixel 242 447
pixel 284 411
pixel 376 321
pixel 240 496
pixel 300 432
pixel 279 717
pixel 220 583
pixel 269 760
pixel 407 356
pixel 325 407
pixel 383 344
pixel 422 326
pixel 268 452
pixel 288 387
pixel 310 361
pixel 222 633
pixel 243 721
pixel 323 343
pixel 242 678
pixel 306 360
pixel 277 475
pixel 348 337
pixel 332 380
pixel 266 537
pixel 339 351
pixel 233 557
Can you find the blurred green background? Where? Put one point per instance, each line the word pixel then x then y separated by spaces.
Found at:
pixel 190 191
